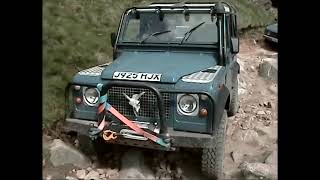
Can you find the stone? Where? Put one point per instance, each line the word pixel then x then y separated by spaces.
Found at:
pixel 43 162
pixel 242 88
pixel 247 110
pixel 102 175
pixel 89 169
pixel 63 154
pixel 92 175
pixel 273 89
pixel 133 166
pixel 101 171
pixel 268 69
pixel 71 178
pixel 252 68
pixel 272 158
pixel 258 171
pixel 111 172
pixel 269 131
pixel 247 136
pixel 236 156
pixel 269 105
pixel 81 173
pixel 261 113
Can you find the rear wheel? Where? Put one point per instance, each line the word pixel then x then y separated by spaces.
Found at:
pixel 212 158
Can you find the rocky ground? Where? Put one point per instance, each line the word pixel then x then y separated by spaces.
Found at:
pixel 251 146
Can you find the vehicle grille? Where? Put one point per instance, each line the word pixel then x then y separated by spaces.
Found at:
pixel 148 102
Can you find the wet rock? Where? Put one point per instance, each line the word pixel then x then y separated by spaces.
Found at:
pixel 268 69
pixel 63 154
pixel 81 173
pixel 92 175
pixel 272 158
pixel 258 171
pixel 133 166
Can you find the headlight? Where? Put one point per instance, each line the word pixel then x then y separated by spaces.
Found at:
pixel 91 96
pixel 188 104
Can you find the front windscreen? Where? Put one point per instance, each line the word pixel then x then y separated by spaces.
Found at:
pixel 172 28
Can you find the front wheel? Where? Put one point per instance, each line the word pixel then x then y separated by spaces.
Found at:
pixel 234 101
pixel 212 158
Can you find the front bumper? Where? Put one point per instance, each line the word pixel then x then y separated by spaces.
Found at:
pixel 178 138
pixel 270 38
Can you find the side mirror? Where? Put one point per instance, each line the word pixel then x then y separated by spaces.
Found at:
pixel 235 45
pixel 113 38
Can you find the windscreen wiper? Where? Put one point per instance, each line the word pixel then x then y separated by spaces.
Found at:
pixel 188 33
pixel 154 34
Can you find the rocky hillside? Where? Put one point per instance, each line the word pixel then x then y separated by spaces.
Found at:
pixel 76 36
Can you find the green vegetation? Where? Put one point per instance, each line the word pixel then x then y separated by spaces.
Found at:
pixel 76 35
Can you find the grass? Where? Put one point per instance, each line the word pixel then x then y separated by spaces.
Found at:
pixel 76 35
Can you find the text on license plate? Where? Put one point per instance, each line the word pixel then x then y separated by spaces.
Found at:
pixel 137 76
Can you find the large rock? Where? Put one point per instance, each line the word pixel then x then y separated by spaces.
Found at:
pixel 63 154
pixel 248 136
pixel 258 171
pixel 268 69
pixel 133 167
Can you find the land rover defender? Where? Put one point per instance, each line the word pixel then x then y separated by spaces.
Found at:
pixel 172 82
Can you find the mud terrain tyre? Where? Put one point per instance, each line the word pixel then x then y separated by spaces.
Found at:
pixel 234 101
pixel 212 158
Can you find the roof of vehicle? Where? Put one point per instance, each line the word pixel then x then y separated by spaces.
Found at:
pixel 227 7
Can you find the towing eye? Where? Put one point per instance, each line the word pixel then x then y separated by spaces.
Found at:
pixel 108 134
pixel 104 105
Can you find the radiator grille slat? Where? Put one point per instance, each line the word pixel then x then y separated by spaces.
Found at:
pixel 148 102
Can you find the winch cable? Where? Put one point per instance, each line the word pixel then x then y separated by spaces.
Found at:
pixel 104 105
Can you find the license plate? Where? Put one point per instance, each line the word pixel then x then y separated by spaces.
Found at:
pixel 137 76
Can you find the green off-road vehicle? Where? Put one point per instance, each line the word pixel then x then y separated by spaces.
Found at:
pixel 172 83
